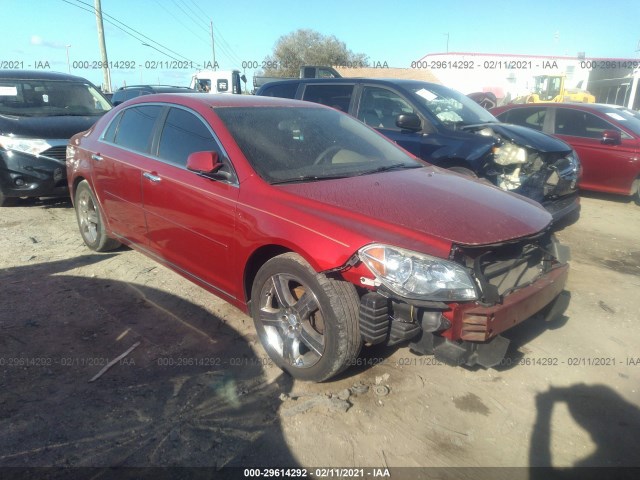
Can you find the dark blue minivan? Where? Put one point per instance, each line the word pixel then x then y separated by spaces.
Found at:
pixel 39 112
pixel 446 128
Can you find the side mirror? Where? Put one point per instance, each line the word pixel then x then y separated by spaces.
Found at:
pixel 611 137
pixel 207 164
pixel 409 121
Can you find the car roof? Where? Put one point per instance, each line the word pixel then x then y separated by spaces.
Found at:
pixel 39 75
pixel 155 88
pixel 404 82
pixel 221 100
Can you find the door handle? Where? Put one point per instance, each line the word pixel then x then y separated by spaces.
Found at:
pixel 96 157
pixel 151 176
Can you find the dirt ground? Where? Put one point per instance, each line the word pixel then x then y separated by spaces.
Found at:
pixel 198 390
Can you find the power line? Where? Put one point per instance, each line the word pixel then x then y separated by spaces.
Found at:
pixel 200 8
pixel 190 17
pixel 173 17
pixel 198 17
pixel 221 42
pixel 92 10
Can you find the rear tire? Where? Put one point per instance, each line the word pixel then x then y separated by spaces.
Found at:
pixel 90 220
pixel 636 196
pixel 306 321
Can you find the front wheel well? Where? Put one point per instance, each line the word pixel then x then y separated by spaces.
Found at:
pixel 74 187
pixel 257 259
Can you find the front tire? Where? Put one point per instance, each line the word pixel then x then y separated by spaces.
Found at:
pixel 306 321
pixel 7 201
pixel 90 220
pixel 636 196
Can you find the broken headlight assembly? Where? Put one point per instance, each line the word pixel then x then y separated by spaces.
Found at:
pixel 509 154
pixel 416 275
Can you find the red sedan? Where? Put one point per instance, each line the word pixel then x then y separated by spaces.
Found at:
pixel 606 138
pixel 327 233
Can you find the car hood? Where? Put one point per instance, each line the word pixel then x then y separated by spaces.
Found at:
pixel 58 127
pixel 529 138
pixel 428 201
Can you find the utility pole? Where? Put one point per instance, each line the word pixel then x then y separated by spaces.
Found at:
pixel 213 47
pixel 103 48
pixel 68 64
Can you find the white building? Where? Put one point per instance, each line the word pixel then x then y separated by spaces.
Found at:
pixel 509 76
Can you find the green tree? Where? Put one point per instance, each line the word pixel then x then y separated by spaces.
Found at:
pixel 308 47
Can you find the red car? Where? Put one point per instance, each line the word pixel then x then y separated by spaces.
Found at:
pixel 606 138
pixel 327 233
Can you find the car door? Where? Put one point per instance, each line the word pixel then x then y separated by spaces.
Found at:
pixel 605 167
pixel 118 162
pixel 190 219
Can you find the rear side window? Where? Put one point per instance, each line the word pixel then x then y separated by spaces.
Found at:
pixel 184 133
pixel 287 90
pixel 135 129
pixel 110 134
pixel 527 117
pixel 124 95
pixel 336 96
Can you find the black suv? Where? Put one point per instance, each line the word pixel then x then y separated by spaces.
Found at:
pixel 125 93
pixel 446 128
pixel 39 112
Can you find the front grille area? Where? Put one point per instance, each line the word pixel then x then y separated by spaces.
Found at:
pixel 59 153
pixel 500 270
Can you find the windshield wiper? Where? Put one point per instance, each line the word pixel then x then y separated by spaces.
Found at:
pixel 308 178
pixel 386 168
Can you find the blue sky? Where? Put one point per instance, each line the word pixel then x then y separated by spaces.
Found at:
pixel 393 32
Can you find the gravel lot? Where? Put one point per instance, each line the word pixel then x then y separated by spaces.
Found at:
pixel 198 390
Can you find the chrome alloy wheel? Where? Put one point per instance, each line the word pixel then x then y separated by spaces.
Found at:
pixel 88 216
pixel 292 319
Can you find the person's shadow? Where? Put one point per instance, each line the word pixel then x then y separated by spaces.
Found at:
pixel 192 393
pixel 612 422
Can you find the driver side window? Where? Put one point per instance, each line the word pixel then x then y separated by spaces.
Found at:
pixel 182 134
pixel 380 107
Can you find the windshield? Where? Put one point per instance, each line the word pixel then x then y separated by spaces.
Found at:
pixel 625 117
pixel 47 98
pixel 285 144
pixel 452 108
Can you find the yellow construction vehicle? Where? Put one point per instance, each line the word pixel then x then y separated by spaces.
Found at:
pixel 551 88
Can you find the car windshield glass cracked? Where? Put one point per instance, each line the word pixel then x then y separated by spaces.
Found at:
pixel 451 107
pixel 288 144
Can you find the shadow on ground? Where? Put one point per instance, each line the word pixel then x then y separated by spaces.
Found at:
pixel 611 421
pixel 192 393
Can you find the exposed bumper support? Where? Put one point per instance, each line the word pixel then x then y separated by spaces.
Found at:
pixel 479 324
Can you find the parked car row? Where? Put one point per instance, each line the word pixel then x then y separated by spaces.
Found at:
pixel 330 235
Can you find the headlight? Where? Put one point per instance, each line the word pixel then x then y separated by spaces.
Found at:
pixel 413 274
pixel 509 154
pixel 32 146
